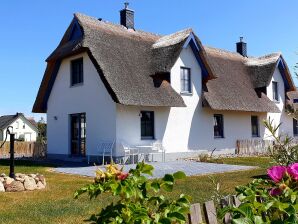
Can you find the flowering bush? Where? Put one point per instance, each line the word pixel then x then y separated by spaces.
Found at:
pixel 284 151
pixel 139 200
pixel 268 201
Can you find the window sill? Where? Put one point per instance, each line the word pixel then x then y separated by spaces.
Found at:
pixel 255 136
pixel 276 101
pixel 76 85
pixel 186 93
pixel 219 137
pixel 147 138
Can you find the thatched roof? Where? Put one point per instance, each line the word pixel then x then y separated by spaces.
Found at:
pixel 129 62
pixel 237 80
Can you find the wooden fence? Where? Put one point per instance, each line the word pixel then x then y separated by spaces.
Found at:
pixel 208 214
pixel 24 149
pixel 252 146
pixel 256 146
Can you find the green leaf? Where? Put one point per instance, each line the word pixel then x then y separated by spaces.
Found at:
pixel 168 178
pixel 177 216
pixel 168 187
pixel 179 175
pixel 242 221
pixel 155 186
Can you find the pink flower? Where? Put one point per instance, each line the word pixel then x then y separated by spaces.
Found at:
pixel 275 192
pixel 276 173
pixel 293 171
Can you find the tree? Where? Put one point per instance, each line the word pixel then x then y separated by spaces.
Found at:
pixel 42 130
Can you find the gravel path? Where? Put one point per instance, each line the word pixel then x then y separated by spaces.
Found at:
pixel 160 169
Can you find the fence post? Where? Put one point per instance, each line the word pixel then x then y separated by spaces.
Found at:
pixel 11 167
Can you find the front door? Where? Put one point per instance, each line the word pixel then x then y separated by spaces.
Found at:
pixel 78 134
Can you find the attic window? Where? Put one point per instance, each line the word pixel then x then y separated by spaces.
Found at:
pixel 76 72
pixel 275 91
pixel 185 80
pixel 295 100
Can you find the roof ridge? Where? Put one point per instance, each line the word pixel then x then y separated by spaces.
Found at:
pixel 173 38
pixel 99 21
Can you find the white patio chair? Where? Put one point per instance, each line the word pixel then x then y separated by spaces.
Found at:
pixel 129 152
pixel 106 149
pixel 158 149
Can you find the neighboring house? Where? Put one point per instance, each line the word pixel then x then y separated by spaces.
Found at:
pixel 111 82
pixel 21 127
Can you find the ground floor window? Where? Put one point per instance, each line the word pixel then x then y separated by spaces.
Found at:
pixel 218 126
pixel 147 125
pixel 255 129
pixel 295 127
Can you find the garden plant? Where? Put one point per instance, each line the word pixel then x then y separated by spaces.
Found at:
pixel 137 199
pixel 273 200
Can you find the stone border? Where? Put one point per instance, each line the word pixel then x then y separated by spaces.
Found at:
pixel 22 182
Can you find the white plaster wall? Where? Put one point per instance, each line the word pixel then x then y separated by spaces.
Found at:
pixel 287 121
pixel 29 133
pixel 91 98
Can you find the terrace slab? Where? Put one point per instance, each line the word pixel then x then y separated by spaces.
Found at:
pixel 190 168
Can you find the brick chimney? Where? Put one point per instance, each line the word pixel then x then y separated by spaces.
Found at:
pixel 127 17
pixel 242 47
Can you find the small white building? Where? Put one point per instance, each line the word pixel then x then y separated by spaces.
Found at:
pixel 23 128
pixel 111 82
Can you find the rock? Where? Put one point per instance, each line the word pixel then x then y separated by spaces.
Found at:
pixel 2 175
pixel 40 186
pixel 29 183
pixel 32 175
pixel 20 179
pixel 15 186
pixel 1 179
pixel 42 179
pixel 8 180
pixel 20 175
pixel 2 189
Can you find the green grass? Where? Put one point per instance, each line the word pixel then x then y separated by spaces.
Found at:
pixel 55 204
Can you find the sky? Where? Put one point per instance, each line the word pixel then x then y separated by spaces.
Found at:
pixel 32 29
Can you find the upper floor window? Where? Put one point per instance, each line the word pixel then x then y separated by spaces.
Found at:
pixel 295 127
pixel 147 125
pixel 275 91
pixel 76 72
pixel 185 80
pixel 218 126
pixel 255 129
pixel 17 125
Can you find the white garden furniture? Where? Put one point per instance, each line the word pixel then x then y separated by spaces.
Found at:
pixel 105 148
pixel 129 153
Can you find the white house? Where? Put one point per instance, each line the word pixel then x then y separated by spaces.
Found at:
pixel 111 82
pixel 22 127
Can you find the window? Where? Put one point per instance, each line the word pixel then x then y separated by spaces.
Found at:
pixel 76 71
pixel 17 125
pixel 24 126
pixel 255 126
pixel 275 91
pixel 185 80
pixel 218 126
pixel 295 127
pixel 147 125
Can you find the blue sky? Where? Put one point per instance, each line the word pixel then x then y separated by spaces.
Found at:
pixel 31 29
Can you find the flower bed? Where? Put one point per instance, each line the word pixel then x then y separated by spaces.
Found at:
pixel 22 182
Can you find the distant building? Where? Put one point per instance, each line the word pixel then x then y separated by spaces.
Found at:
pixel 23 128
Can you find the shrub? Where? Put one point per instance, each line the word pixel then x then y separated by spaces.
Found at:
pixel 272 200
pixel 284 151
pixel 139 200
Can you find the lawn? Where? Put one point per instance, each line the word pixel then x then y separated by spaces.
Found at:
pixel 55 204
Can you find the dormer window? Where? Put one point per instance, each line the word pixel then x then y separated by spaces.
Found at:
pixel 76 72
pixel 185 80
pixel 275 91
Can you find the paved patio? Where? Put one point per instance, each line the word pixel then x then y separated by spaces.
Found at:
pixel 160 169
